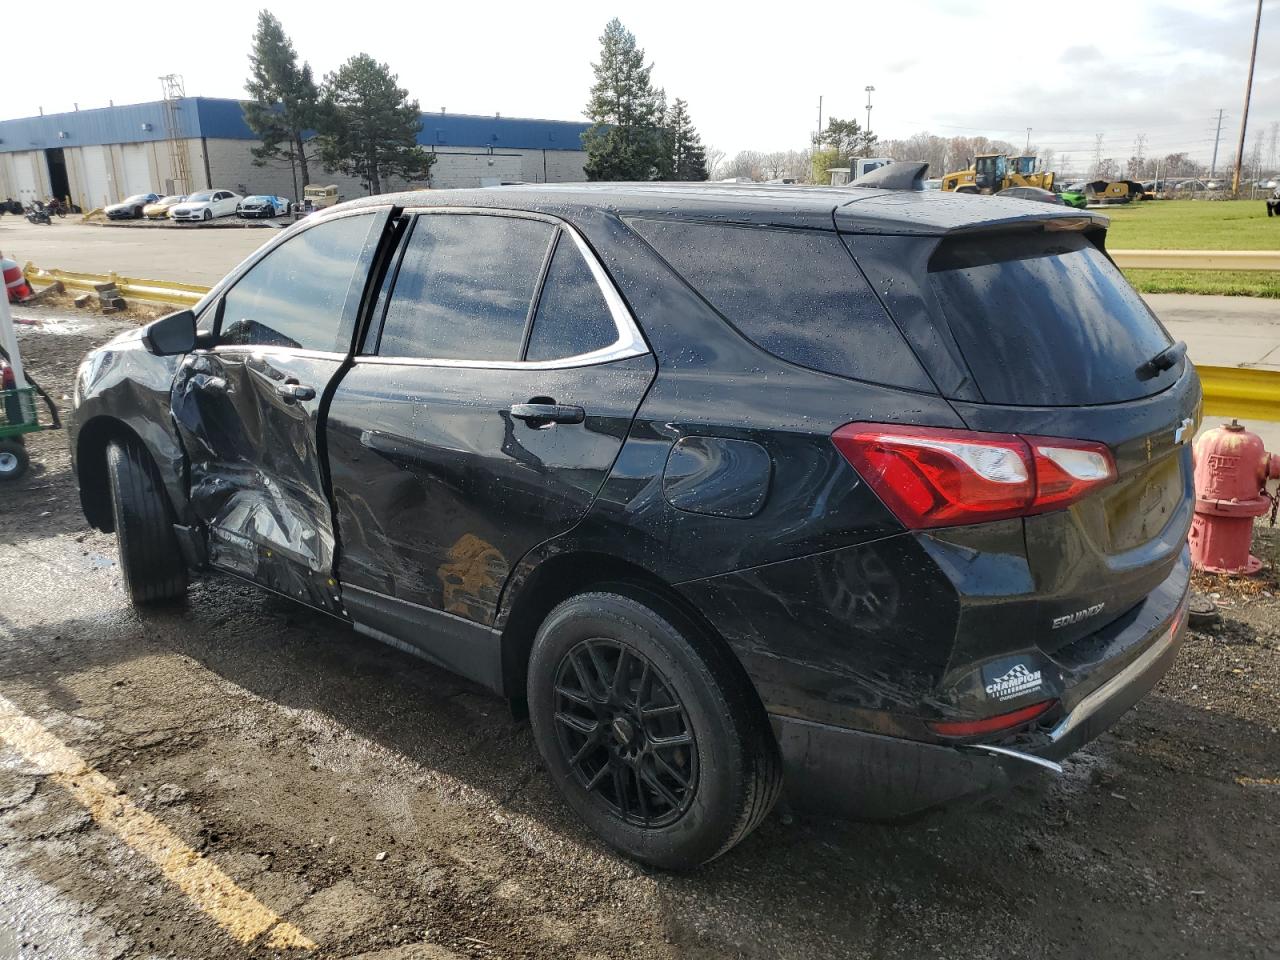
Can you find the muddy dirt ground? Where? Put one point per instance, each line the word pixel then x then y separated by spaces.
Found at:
pixel 390 810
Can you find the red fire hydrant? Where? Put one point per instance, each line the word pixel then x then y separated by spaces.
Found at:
pixel 1231 469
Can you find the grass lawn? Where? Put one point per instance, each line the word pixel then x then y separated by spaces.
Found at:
pixel 1197 225
pixel 1192 225
pixel 1230 283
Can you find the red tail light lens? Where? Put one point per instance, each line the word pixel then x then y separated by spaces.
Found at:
pixel 1001 721
pixel 7 379
pixel 936 477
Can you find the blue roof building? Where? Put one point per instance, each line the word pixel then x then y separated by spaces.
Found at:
pixel 104 154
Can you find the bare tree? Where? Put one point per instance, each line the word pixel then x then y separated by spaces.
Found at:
pixel 798 165
pixel 746 164
pixel 715 157
pixel 773 165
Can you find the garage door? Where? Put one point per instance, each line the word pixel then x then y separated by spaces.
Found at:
pixel 26 182
pixel 97 177
pixel 137 171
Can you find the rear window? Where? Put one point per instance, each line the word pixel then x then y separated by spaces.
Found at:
pixel 1045 319
pixel 797 294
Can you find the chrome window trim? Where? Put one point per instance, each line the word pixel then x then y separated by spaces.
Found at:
pixel 257 349
pixel 629 342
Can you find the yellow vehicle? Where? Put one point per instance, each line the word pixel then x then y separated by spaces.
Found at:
pixel 316 197
pixel 160 209
pixel 993 172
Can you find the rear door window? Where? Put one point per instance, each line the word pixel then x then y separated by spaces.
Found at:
pixel 1045 319
pixel 465 287
pixel 797 294
pixel 573 317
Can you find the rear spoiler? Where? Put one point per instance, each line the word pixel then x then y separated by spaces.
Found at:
pixel 901 175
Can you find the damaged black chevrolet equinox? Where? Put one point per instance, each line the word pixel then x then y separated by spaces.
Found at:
pixel 875 497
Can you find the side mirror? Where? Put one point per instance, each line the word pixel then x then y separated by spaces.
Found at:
pixel 171 335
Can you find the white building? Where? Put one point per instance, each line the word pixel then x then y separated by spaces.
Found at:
pixel 102 156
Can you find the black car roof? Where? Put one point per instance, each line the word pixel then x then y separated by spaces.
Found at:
pixel 854 209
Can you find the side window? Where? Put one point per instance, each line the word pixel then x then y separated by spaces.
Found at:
pixel 306 292
pixel 465 287
pixel 572 317
pixel 796 293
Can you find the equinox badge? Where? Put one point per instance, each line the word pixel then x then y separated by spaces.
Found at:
pixel 1067 619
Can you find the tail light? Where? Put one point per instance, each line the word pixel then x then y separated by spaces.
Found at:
pixel 936 477
pixel 7 379
pixel 996 724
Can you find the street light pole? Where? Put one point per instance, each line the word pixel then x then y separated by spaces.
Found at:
pixel 1248 90
pixel 870 90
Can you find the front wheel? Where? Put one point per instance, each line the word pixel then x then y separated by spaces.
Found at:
pixel 208 215
pixel 13 459
pixel 151 561
pixel 649 731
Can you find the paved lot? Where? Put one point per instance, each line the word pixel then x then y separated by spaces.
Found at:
pixel 194 255
pixel 241 777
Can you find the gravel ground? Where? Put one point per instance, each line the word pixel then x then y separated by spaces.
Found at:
pixel 390 810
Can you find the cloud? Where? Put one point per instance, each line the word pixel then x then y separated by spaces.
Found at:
pixel 1080 54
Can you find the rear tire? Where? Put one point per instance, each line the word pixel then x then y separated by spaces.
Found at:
pixel 649 732
pixel 151 561
pixel 13 459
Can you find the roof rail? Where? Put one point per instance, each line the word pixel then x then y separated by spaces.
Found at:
pixel 902 175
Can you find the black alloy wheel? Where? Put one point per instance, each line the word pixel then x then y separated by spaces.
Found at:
pixel 624 733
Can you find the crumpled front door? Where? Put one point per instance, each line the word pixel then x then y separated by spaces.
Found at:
pixel 249 419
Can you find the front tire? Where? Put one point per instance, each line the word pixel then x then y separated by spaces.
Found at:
pixel 649 731
pixel 208 215
pixel 151 562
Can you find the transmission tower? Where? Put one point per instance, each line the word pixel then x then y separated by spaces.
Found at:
pixel 1139 145
pixel 1213 164
pixel 1097 154
pixel 171 85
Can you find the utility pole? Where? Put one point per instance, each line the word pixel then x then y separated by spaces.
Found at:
pixel 1097 155
pixel 870 91
pixel 818 139
pixel 1027 149
pixel 1248 91
pixel 1213 164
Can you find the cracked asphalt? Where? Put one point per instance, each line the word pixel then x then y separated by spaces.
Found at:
pixel 389 810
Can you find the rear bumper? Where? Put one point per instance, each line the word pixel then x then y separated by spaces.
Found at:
pixel 852 773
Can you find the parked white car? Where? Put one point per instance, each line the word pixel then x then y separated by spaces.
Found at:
pixel 206 205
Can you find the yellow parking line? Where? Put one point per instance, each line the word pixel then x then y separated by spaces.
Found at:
pixel 236 910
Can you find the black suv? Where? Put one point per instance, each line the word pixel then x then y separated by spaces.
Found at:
pixel 880 496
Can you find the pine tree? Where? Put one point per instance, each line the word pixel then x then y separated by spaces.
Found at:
pixel 625 141
pixel 285 100
pixel 369 126
pixel 688 156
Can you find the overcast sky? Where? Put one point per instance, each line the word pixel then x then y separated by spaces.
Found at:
pixel 752 79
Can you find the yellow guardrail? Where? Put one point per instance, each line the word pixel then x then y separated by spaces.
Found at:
pixel 163 291
pixel 1241 392
pixel 1197 259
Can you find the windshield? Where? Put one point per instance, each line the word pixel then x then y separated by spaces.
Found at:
pixel 1045 319
pixel 139 198
pixel 173 199
pixel 201 196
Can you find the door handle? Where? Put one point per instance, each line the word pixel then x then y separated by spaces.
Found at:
pixel 545 414
pixel 293 391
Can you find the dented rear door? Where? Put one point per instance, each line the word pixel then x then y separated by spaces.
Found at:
pixel 251 409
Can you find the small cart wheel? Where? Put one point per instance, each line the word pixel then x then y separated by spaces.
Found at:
pixel 13 459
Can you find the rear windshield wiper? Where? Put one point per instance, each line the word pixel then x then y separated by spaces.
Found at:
pixel 1162 361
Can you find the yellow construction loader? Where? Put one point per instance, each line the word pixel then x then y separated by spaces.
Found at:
pixel 993 172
